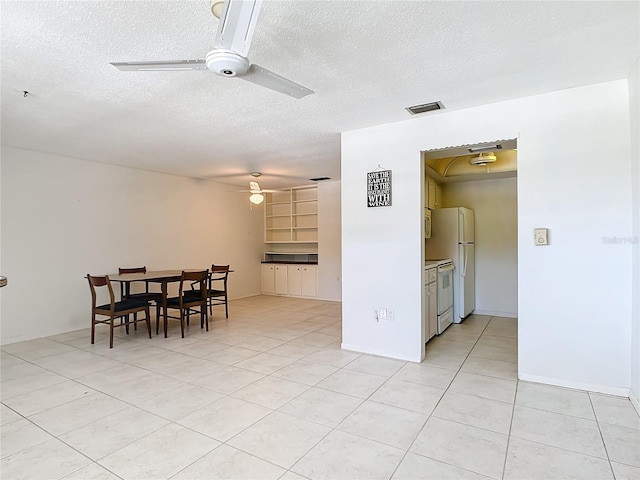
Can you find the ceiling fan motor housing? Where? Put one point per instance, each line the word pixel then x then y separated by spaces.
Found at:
pixel 227 63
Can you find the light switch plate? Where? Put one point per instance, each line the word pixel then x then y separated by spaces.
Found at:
pixel 541 236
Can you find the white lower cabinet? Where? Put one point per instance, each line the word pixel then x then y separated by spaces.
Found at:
pixel 282 284
pixel 293 280
pixel 309 281
pixel 268 278
pixel 432 307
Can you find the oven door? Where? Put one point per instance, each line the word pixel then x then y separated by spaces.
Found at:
pixel 445 288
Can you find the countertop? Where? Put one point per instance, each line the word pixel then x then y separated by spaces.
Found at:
pixel 290 262
pixel 435 263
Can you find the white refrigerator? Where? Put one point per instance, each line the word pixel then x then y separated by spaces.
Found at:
pixel 452 236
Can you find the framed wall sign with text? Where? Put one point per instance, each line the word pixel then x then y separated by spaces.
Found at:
pixel 379 188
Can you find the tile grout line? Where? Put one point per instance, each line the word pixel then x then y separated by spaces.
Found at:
pixel 513 412
pixel 438 403
pixel 604 444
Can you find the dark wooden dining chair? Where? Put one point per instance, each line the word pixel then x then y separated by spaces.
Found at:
pixel 217 288
pixel 217 293
pixel 113 309
pixel 190 299
pixel 146 296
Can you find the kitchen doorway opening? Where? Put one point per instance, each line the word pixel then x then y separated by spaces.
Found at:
pixel 481 179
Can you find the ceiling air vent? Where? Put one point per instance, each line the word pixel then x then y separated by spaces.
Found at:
pixel 319 179
pixel 425 107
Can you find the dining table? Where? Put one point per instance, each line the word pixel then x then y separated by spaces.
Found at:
pixel 163 277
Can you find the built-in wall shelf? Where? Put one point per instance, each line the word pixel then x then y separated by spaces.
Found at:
pixel 291 216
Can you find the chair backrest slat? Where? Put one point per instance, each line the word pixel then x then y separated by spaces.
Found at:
pixel 219 273
pixel 100 281
pixel 190 277
pixel 125 288
pixel 132 270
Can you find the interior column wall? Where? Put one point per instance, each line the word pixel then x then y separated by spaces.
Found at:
pixel 63 218
pixel 329 244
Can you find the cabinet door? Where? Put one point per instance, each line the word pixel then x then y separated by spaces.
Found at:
pixel 309 282
pixel 433 309
pixel 268 279
pixel 425 319
pixel 438 196
pixel 294 280
pixel 427 223
pixel 431 202
pixel 281 287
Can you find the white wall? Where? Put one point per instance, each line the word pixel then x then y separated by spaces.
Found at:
pixel 574 303
pixel 494 203
pixel 634 107
pixel 63 218
pixel 329 252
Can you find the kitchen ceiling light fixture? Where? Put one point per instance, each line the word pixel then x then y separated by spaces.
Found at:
pixel 482 159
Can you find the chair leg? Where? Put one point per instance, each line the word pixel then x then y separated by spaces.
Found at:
pixel 148 321
pixel 126 323
pixel 182 322
pixel 165 322
pixel 111 333
pixel 135 321
pixel 206 317
pixel 226 306
pixel 93 328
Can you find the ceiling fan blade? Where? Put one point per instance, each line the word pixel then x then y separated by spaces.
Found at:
pixel 166 65
pixel 237 23
pixel 254 187
pixel 265 78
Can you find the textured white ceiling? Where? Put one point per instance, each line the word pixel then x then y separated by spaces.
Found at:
pixel 366 61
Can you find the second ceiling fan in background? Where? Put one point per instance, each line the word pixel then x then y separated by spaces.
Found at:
pixel 229 56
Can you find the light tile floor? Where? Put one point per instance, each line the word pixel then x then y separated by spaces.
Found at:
pixel 268 394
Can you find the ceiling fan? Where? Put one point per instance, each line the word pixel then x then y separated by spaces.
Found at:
pixel 229 56
pixel 257 194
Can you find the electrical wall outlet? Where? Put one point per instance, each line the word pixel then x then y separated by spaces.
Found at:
pixel 382 314
pixel 390 315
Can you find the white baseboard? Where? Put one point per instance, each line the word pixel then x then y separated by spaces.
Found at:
pixel 617 391
pixel 299 296
pixel 381 353
pixel 634 401
pixel 492 313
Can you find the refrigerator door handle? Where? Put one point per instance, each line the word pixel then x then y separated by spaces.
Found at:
pixel 464 252
pixel 461 226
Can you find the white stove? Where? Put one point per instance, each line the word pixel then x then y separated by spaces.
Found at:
pixel 445 291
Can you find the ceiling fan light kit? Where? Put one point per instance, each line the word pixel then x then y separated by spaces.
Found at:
pixel 231 46
pixel 256 198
